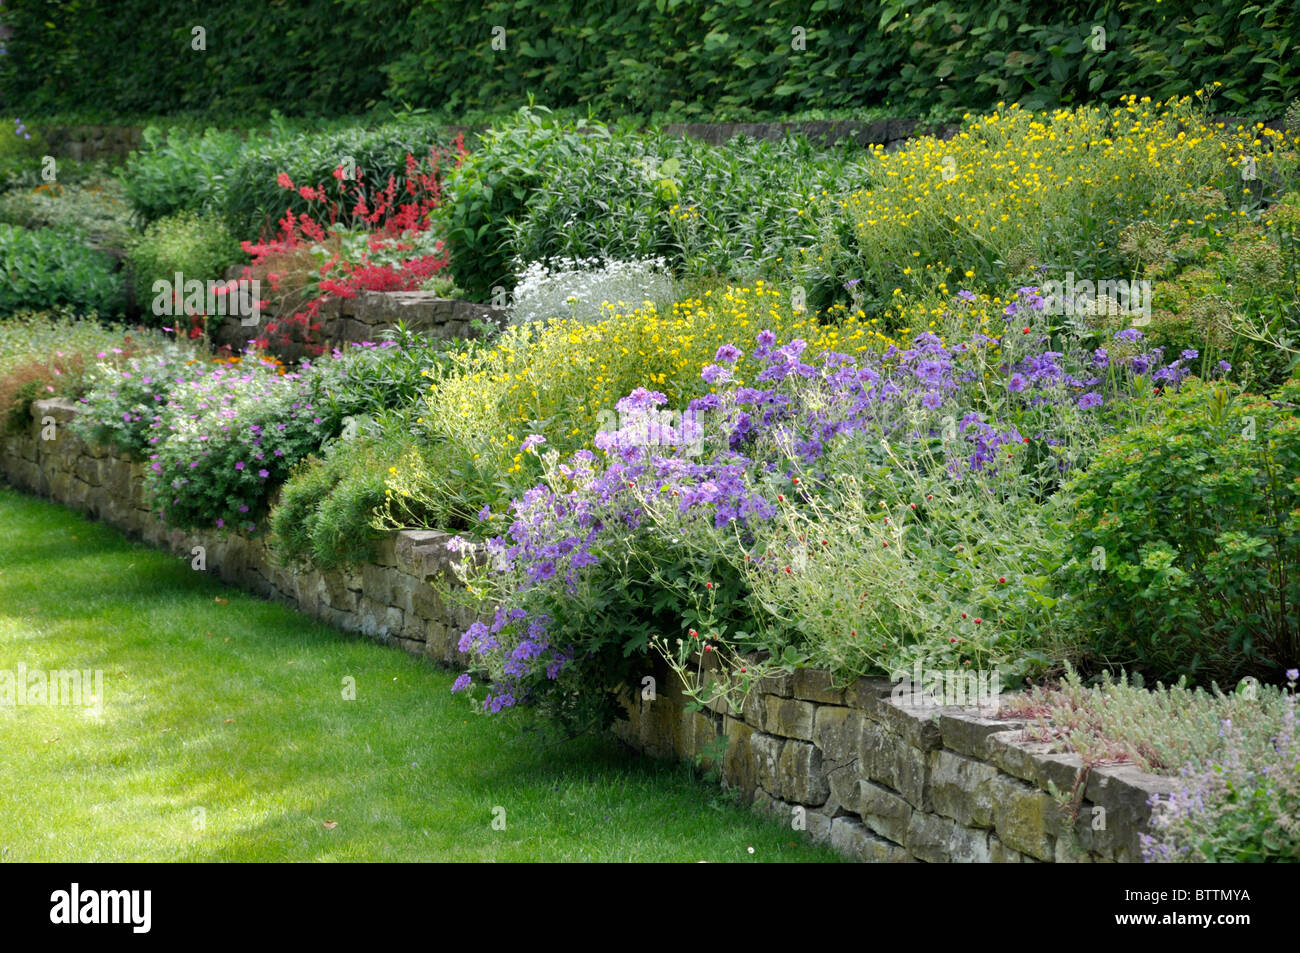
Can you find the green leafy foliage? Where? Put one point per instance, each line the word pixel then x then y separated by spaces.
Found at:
pixel 254 201
pixel 51 268
pixel 707 210
pixel 179 170
pixel 135 57
pixel 491 188
pixel 1187 537
pixel 325 514
pixel 690 58
pixel 196 247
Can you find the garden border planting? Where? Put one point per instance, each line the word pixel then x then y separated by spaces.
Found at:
pixel 878 780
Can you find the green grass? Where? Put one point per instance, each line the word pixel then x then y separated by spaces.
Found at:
pixel 224 735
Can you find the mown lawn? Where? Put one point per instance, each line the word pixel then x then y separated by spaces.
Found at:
pixel 225 735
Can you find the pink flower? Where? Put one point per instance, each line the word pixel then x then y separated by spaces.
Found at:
pixel 284 181
pixel 239 465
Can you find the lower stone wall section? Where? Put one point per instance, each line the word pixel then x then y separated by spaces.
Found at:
pixel 849 765
pixel 884 781
pixel 390 600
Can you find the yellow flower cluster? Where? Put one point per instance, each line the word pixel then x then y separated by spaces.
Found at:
pixel 557 378
pixel 1036 187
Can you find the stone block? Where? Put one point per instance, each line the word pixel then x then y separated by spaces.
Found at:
pixel 968 734
pixel 886 758
pixel 1122 792
pixel 852 839
pixel 1025 817
pixel 837 732
pixel 883 811
pixel 865 692
pixel 1000 853
pixel 377 583
pixel 1015 756
pixel 938 840
pixel 755 711
pixel 776 685
pixel 917 725
pixel 962 788
pixel 800 774
pixel 818 826
pixel 789 717
pixel 738 769
pixel 816 685
pixel 422 553
pixel 704 734
pixel 1062 770
pixel 403 589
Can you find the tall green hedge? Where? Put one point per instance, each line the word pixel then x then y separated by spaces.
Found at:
pixel 691 57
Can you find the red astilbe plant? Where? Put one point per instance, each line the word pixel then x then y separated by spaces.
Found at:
pixel 353 240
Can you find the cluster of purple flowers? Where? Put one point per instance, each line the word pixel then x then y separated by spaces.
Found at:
pixel 755 441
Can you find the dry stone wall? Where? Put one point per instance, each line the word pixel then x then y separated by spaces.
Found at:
pixel 851 766
pixel 365 318
pixel 85 143
pixel 391 599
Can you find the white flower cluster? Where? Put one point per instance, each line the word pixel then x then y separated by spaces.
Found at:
pixel 587 288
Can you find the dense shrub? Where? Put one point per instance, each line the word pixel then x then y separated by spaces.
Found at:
pixel 196 247
pixel 326 513
pixel 51 269
pixel 707 58
pixel 177 170
pixel 137 57
pixel 226 438
pixel 693 57
pixel 737 211
pixel 254 199
pixel 491 188
pixel 1187 538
